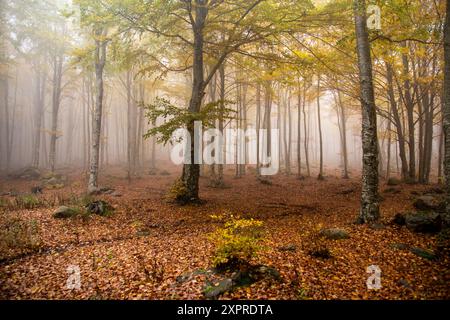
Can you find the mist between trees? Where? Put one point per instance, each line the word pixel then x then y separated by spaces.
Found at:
pixel 91 84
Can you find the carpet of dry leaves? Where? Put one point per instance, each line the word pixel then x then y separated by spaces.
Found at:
pixel 139 252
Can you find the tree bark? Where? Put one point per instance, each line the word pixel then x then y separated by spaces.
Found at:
pixel 369 197
pixel 319 122
pixel 38 113
pixel 299 132
pixel 446 111
pixel 306 133
pixel 100 60
pixel 191 171
pixel 56 101
pixel 410 114
pixel 397 122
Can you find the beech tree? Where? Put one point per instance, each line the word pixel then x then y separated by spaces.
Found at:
pixel 446 108
pixel 370 211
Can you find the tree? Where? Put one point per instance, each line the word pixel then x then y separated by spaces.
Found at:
pixel 96 21
pixel 100 60
pixel 369 197
pixel 446 109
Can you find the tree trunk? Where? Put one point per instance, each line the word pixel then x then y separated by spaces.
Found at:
pixel 410 114
pixel 369 196
pixel 319 122
pixel 100 59
pixel 299 132
pixel 258 127
pixel 389 142
pixel 397 122
pixel 446 110
pixel 38 114
pixel 7 127
pixel 191 171
pixel 221 114
pixel 306 133
pixel 56 100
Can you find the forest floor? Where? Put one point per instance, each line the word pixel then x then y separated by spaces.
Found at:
pixel 141 250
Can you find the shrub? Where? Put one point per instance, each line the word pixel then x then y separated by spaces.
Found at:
pixel 238 241
pixel 28 201
pixel 17 233
pixel 316 245
pixel 178 192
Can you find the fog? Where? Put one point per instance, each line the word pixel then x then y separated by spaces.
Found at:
pixel 35 58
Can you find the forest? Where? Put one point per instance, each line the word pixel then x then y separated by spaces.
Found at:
pixel 225 149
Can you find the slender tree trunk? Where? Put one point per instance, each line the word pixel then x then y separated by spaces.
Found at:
pixel 389 142
pixel 84 113
pixel 441 151
pixel 299 132
pixel 306 133
pixel 6 120
pixel 397 122
pixel 267 141
pixel 238 120
pixel 212 98
pixel 56 100
pixel 100 59
pixel 244 128
pixel 258 127
pixel 410 113
pixel 220 120
pixel 319 122
pixel 446 110
pixel 11 137
pixel 38 116
pixel 369 197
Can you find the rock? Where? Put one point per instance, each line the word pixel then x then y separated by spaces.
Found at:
pixel 64 212
pixel 214 291
pixel 183 278
pixel 30 173
pixel 399 246
pixel 405 283
pixel 393 182
pixel 424 222
pixel 116 194
pixel 54 183
pixel 242 278
pixel 392 190
pixel 143 233
pixel 399 219
pixel 322 253
pixel 377 226
pixel 334 234
pixel 269 271
pixel 100 208
pixel 36 190
pixel 427 254
pixel 289 247
pixel 429 202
